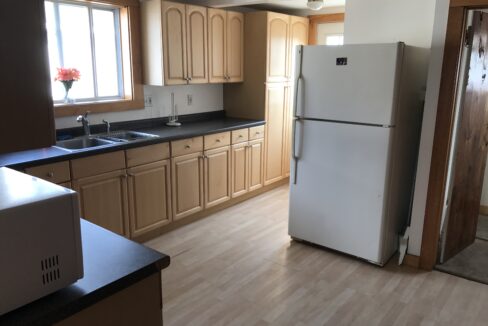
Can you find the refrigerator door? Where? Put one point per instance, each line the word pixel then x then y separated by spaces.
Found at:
pixel 338 200
pixel 351 83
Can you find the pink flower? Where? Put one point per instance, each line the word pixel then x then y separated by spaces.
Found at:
pixel 67 74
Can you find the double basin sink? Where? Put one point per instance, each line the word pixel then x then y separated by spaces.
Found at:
pixel 102 140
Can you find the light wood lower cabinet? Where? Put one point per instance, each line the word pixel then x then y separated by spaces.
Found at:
pixel 103 200
pixel 187 172
pixel 149 191
pixel 256 163
pixel 217 167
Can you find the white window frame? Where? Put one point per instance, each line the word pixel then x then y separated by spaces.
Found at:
pixel 118 37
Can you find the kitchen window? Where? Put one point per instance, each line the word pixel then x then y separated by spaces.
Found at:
pixel 98 40
pixel 337 39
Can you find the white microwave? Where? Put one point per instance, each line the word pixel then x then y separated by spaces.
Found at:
pixel 40 239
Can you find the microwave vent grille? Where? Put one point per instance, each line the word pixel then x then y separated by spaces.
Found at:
pixel 50 269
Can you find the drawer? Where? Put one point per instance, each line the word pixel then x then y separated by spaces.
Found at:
pixel 239 136
pixel 147 154
pixel 97 164
pixel 217 140
pixel 55 172
pixel 186 146
pixel 256 132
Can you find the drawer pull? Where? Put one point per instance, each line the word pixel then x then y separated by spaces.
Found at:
pixel 240 136
pixel 187 146
pixel 218 140
pixel 50 174
pixel 257 132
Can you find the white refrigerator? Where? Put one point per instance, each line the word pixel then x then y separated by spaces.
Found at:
pixel 357 116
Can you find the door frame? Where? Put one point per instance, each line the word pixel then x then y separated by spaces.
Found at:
pixel 444 126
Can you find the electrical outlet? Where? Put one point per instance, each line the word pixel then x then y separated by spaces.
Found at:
pixel 148 101
pixel 189 98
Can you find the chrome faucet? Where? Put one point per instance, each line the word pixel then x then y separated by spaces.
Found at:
pixel 108 126
pixel 84 121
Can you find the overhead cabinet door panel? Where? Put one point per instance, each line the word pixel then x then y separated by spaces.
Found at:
pixel 196 27
pixel 174 43
pixel 235 46
pixel 217 20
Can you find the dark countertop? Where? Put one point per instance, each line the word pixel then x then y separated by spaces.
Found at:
pixel 111 263
pixel 19 160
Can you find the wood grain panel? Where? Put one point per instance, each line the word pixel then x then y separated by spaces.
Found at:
pixel 239 136
pixel 256 132
pixel 471 148
pixel 442 136
pixel 240 169
pixel 256 164
pixel 197 43
pixel 147 154
pixel 217 22
pixel 186 146
pixel 217 171
pixel 235 47
pixel 187 180
pixel 278 47
pixel 216 140
pixel 55 172
pixel 174 43
pixel 97 164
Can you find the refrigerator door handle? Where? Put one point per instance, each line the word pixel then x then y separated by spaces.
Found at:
pixel 295 151
pixel 298 82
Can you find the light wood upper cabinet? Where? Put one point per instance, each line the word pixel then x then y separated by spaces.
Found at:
pixel 174 43
pixel 278 45
pixel 187 172
pixel 103 200
pixel 276 99
pixel 149 192
pixel 217 33
pixel 256 160
pixel 240 169
pixel 196 39
pixel 226 46
pixel 235 47
pixel 298 36
pixel 217 169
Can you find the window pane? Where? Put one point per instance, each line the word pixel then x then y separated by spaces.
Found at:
pixel 75 31
pixel 334 40
pixel 105 52
pixel 54 60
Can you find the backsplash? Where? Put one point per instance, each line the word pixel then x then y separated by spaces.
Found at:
pixel 205 98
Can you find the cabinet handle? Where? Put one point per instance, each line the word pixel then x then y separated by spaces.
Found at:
pixel 130 175
pixel 50 174
pixel 189 78
pixel 124 176
pixel 240 136
pixel 218 140
pixel 187 146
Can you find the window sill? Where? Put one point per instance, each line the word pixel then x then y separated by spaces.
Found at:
pixel 65 110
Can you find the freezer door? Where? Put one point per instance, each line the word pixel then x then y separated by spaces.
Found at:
pixel 351 83
pixel 338 200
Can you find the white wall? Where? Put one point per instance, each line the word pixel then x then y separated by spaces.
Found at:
pixel 385 21
pixel 415 22
pixel 206 98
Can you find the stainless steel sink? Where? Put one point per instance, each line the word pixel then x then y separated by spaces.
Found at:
pixel 127 136
pixel 83 143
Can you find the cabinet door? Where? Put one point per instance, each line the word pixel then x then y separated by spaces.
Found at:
pixel 174 43
pixel 256 160
pixel 149 197
pixel 235 46
pixel 103 200
pixel 240 169
pixel 196 39
pixel 277 58
pixel 287 133
pixel 187 172
pixel 298 36
pixel 216 45
pixel 217 176
pixel 276 99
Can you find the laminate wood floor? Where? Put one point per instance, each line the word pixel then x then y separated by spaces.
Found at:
pixel 239 267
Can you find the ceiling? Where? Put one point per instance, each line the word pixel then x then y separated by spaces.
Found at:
pixel 284 4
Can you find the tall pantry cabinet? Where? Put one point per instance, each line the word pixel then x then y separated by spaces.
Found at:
pixel 267 92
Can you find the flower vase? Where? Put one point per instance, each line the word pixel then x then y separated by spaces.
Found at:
pixel 67 86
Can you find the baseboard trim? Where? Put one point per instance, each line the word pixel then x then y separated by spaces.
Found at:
pixel 483 210
pixel 209 211
pixel 411 261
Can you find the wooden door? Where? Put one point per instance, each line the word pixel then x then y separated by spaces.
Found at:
pixel 217 169
pixel 187 172
pixel 298 36
pixel 471 149
pixel 235 47
pixel 174 43
pixel 278 43
pixel 217 22
pixel 276 101
pixel 103 200
pixel 196 40
pixel 256 160
pixel 149 197
pixel 287 132
pixel 240 169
